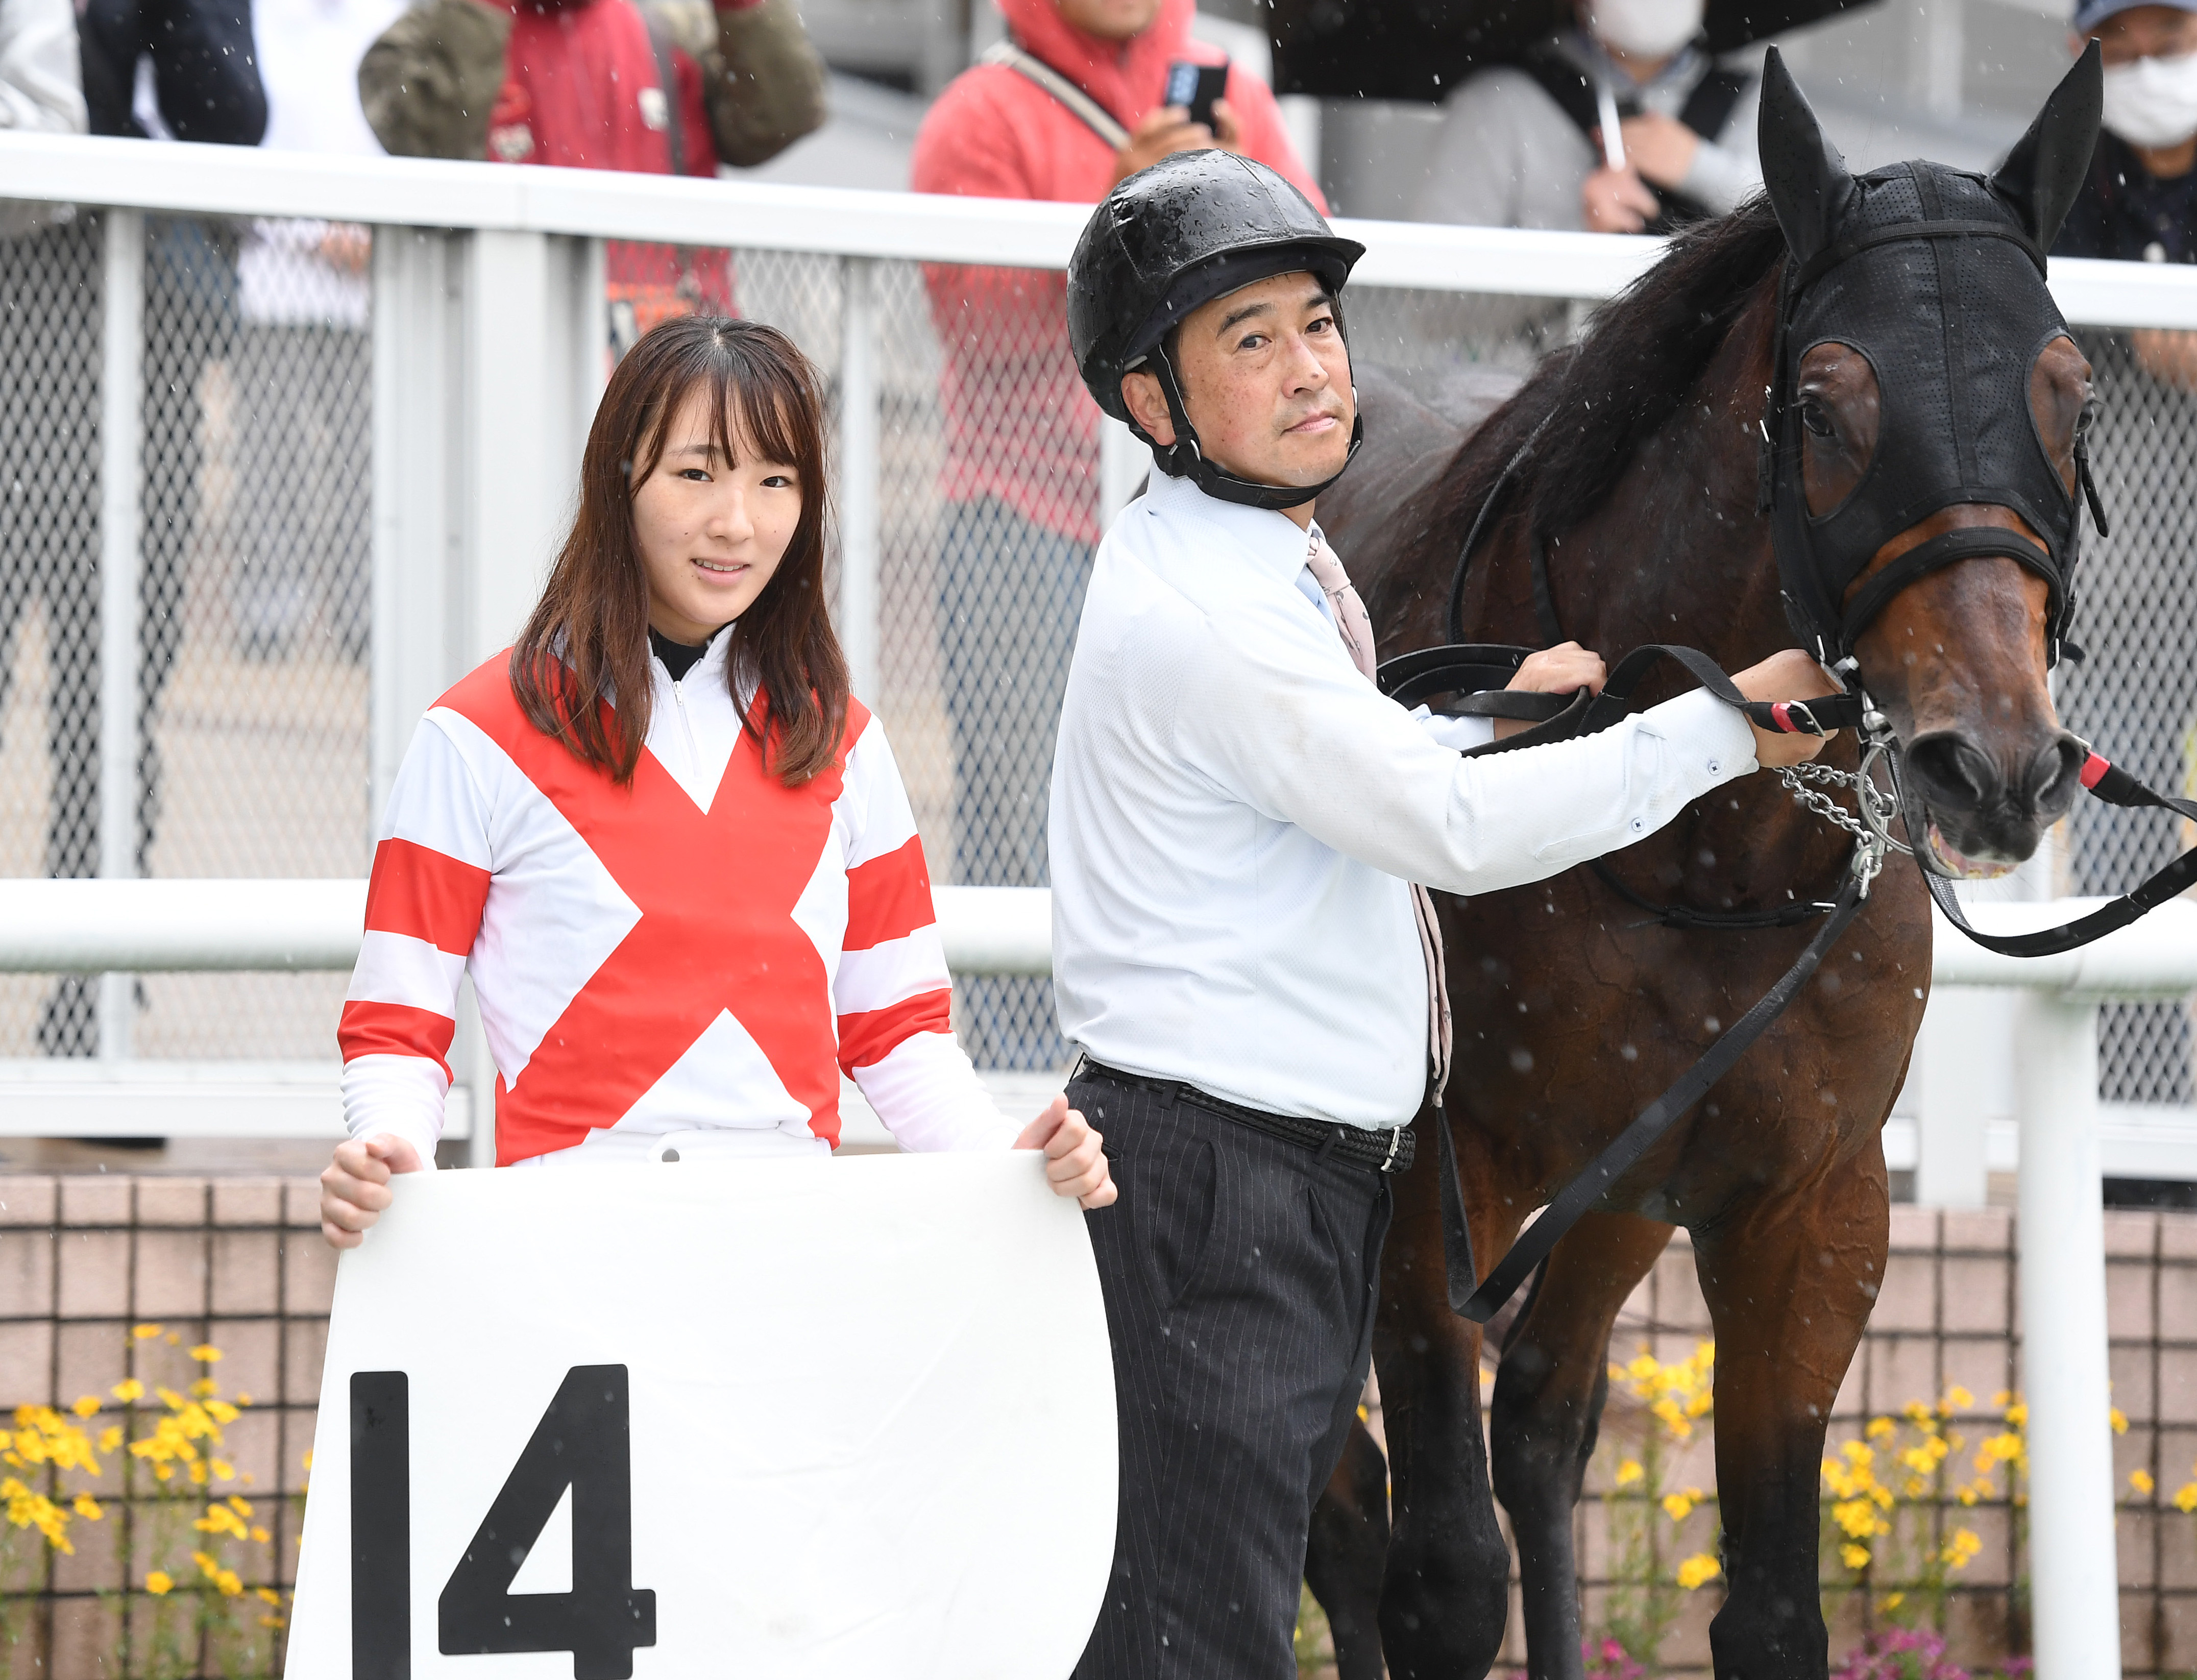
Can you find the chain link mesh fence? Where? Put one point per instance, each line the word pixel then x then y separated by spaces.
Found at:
pixel 255 546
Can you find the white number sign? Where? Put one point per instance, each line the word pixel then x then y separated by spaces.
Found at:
pixel 838 1420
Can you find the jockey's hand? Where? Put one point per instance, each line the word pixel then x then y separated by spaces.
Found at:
pixel 1790 675
pixel 355 1185
pixel 1616 201
pixel 1564 668
pixel 1074 1162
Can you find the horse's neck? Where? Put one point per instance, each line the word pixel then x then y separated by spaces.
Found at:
pixel 1677 553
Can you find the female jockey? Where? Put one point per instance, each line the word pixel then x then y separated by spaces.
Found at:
pixel 672 850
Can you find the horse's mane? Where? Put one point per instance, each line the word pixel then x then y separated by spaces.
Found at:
pixel 1623 381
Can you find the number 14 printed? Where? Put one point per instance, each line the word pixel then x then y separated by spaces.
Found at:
pixel 583 1442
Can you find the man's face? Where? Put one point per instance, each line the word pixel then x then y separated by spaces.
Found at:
pixel 2146 32
pixel 1265 380
pixel 1109 20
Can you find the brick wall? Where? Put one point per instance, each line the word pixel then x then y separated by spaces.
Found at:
pixel 238 1264
pixel 232 1264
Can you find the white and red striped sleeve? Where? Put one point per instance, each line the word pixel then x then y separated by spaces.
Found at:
pixel 423 912
pixel 892 992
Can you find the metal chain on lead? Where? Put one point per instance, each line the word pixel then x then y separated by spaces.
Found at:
pixel 1872 828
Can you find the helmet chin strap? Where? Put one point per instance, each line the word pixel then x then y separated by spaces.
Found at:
pixel 1183 459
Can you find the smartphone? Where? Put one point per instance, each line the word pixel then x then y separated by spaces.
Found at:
pixel 1195 86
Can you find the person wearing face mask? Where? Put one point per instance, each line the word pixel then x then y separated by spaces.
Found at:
pixel 1524 146
pixel 2140 203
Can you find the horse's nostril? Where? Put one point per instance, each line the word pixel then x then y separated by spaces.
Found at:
pixel 2055 774
pixel 1954 774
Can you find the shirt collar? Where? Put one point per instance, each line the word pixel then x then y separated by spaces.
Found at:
pixel 1275 542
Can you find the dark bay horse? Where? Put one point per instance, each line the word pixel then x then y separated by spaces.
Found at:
pixel 1573 1009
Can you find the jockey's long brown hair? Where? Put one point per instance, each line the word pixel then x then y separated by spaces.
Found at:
pixel 587 643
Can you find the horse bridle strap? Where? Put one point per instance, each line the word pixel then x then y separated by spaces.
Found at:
pixel 1945 549
pixel 1472 1299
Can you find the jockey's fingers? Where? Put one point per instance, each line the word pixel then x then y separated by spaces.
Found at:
pixel 1105 1197
pixel 341 1188
pixel 347 1215
pixel 1074 1133
pixel 338 1237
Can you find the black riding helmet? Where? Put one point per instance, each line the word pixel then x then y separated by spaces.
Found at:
pixel 1194 226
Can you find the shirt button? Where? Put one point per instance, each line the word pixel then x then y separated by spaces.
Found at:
pixel 1716 766
pixel 1638 823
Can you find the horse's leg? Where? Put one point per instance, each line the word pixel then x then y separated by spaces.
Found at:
pixel 1349 1547
pixel 1789 1281
pixel 1549 1393
pixel 1447 1585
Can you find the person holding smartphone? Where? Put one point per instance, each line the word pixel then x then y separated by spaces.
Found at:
pixel 672 851
pixel 1076 98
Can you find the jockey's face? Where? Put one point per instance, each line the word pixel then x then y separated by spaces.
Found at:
pixel 1266 381
pixel 710 532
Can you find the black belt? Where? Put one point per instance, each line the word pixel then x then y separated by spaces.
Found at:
pixel 1388 1149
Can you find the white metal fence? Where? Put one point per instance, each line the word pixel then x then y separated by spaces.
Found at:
pixel 290 439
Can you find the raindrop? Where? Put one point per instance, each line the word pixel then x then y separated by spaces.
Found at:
pixel 1522 1060
pixel 1713 1023
pixel 1628 1053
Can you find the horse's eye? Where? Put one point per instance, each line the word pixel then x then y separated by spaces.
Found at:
pixel 1815 419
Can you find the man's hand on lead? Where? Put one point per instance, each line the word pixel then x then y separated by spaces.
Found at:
pixel 1075 1162
pixel 1790 675
pixel 1564 668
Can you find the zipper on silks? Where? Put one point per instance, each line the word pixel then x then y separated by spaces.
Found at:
pixel 687 724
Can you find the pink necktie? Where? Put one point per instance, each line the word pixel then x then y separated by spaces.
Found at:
pixel 1355 627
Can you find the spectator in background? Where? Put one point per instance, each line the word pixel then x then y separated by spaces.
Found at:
pixel 172 68
pixel 1521 146
pixel 662 88
pixel 2140 203
pixel 305 372
pixel 1064 108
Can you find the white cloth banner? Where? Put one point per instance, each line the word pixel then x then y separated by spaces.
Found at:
pixel 805 1418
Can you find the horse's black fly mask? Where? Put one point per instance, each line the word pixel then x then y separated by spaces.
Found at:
pixel 1937 277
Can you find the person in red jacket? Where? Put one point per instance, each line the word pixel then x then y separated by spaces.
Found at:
pixel 1069 104
pixel 662 87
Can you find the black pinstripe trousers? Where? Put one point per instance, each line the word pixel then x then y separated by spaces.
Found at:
pixel 1240 1273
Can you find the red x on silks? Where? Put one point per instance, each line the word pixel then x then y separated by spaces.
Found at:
pixel 715 890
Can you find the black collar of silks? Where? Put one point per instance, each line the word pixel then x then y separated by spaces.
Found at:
pixel 1922 250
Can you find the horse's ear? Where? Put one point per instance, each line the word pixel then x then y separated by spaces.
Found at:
pixel 2044 171
pixel 1802 172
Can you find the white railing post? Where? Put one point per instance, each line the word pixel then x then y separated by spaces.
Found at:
pixel 861 472
pixel 2074 1578
pixel 121 681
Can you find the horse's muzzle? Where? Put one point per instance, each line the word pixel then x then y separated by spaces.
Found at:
pixel 1979 816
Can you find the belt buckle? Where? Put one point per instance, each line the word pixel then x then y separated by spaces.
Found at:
pixel 1396 1142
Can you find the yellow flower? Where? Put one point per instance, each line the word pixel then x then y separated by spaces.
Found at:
pixel 309 1458
pixel 242 1400
pixel 267 1595
pixel 261 1535
pixel 221 1411
pixel 220 1520
pixel 1697 1569
pixel 205 1353
pixel 2119 1419
pixel 1629 1472
pixel 129 1390
pixel 1678 1506
pixel 88 1507
pixel 204 1388
pixel 1958 1399
pixel 2141 1481
pixel 2185 1496
pixel 110 1438
pixel 1892 1600
pixel 241 1506
pixel 87 1405
pixel 1879 1427
pixel 224 1470
pixel 1854 1557
pixel 230 1584
pixel 144 1332
pixel 1961 1547
pixel 159 1582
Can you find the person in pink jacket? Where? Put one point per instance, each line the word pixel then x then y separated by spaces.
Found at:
pixel 1070 103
